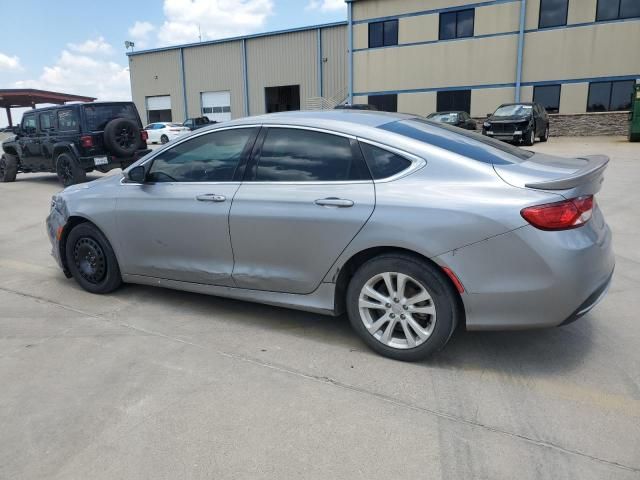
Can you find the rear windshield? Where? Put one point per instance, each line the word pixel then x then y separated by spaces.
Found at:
pixel 463 142
pixel 99 115
pixel 513 111
pixel 444 117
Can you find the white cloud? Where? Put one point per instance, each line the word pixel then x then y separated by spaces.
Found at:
pixel 185 20
pixel 92 46
pixel 140 33
pixel 326 5
pixel 8 63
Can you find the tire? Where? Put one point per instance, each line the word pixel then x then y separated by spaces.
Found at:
pixel 68 170
pixel 436 327
pixel 164 139
pixel 8 168
pixel 531 137
pixel 545 137
pixel 122 137
pixel 91 260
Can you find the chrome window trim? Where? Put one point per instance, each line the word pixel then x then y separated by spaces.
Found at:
pixel 416 162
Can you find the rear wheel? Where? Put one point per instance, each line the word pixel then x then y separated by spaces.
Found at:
pixel 402 307
pixel 69 171
pixel 8 168
pixel 91 260
pixel 530 138
pixel 164 139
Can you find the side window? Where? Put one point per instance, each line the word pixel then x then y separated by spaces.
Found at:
pixel 68 120
pixel 29 124
pixel 548 96
pixel 46 120
pixel 207 158
pixel 610 96
pixel 382 163
pixel 383 34
pixel 296 155
pixel 458 24
pixel 617 9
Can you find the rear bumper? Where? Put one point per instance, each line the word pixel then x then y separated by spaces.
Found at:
pixel 95 161
pixel 529 278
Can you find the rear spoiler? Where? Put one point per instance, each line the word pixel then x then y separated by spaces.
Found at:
pixel 593 169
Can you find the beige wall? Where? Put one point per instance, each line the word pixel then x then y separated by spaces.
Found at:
pixel 156 74
pixel 288 59
pixel 363 10
pixel 422 28
pixel 418 103
pixel 503 17
pixel 214 68
pixel 486 100
pixel 465 62
pixel 334 70
pixel 573 97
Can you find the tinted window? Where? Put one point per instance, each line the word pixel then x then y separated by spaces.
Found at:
pixel 610 96
pixel 383 34
pixel 98 115
pixel 548 96
pixel 207 158
pixel 68 120
pixel 29 124
pixel 47 121
pixel 553 13
pixel 292 155
pixel 456 24
pixel 382 163
pixel 454 100
pixel 615 9
pixel 463 142
pixel 384 103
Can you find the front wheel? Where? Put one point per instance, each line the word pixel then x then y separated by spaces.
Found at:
pixel 91 260
pixel 402 307
pixel 530 139
pixel 69 171
pixel 545 136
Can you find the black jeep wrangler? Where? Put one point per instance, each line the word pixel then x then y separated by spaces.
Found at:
pixel 72 140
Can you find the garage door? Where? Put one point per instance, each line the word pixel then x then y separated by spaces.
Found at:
pixel 159 109
pixel 216 105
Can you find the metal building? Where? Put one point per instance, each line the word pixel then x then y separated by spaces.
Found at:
pixel 579 58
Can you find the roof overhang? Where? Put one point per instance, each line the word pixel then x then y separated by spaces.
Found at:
pixel 28 97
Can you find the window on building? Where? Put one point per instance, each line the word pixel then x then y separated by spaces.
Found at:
pixel 617 9
pixel 548 96
pixel 454 100
pixel 293 155
pixel 383 34
pixel 610 96
pixel 384 103
pixel 458 24
pixel 553 13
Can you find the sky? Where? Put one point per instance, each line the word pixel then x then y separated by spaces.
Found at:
pixel 75 46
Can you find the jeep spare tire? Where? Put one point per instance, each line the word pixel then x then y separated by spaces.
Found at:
pixel 122 137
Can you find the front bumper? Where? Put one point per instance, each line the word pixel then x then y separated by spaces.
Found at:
pixel 516 136
pixel 56 221
pixel 529 278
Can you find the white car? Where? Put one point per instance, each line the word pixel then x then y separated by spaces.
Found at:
pixel 162 132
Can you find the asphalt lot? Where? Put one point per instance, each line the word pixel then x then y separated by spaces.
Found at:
pixel 152 383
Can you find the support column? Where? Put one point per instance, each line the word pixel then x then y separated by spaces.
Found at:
pixel 8 110
pixel 184 84
pixel 350 41
pixel 245 80
pixel 319 53
pixel 523 14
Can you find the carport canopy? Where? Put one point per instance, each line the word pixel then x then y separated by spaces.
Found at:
pixel 29 97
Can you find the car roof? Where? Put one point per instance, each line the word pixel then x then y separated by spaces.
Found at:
pixel 448 111
pixel 517 103
pixel 78 104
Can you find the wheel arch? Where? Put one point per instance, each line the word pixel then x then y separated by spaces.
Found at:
pixel 11 150
pixel 348 269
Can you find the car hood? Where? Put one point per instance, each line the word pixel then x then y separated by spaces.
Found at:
pixel 511 119
pixel 106 180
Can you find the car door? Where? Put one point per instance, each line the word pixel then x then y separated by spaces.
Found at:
pixel 29 142
pixel 176 224
pixel 306 195
pixel 47 123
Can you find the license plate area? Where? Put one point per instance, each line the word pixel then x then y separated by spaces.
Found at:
pixel 100 160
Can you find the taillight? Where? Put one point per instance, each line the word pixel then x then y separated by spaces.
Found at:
pixel 86 141
pixel 144 135
pixel 560 215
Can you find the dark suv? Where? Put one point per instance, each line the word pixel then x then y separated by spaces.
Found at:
pixel 518 123
pixel 72 140
pixel 197 122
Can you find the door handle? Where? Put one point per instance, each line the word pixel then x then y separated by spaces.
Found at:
pixel 211 197
pixel 334 202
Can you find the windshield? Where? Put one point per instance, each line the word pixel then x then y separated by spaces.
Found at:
pixel 513 111
pixel 463 142
pixel 99 115
pixel 444 117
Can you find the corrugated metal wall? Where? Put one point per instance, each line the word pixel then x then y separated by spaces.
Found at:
pixel 214 68
pixel 157 73
pixel 287 59
pixel 334 70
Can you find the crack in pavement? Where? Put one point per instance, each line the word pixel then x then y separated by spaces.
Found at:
pixel 336 383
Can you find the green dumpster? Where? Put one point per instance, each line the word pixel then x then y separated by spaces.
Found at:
pixel 634 116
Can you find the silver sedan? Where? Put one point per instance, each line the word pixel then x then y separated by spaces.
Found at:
pixel 409 226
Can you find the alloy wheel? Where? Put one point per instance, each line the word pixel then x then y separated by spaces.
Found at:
pixel 65 171
pixel 397 310
pixel 125 137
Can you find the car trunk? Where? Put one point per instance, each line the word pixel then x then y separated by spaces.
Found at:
pixel 570 177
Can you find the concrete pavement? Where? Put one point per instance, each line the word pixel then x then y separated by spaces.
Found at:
pixel 152 383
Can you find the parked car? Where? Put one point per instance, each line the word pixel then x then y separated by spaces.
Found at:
pixel 74 139
pixel 197 122
pixel 455 118
pixel 411 226
pixel 518 122
pixel 162 132
pixel 355 106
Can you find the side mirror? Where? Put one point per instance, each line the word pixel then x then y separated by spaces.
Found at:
pixel 488 115
pixel 137 174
